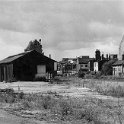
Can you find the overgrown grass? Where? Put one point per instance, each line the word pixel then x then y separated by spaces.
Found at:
pixel 57 108
pixel 109 88
pixel 9 96
pixel 106 88
pixel 60 80
pixel 63 109
pixel 111 91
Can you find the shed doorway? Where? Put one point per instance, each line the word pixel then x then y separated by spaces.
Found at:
pixel 41 71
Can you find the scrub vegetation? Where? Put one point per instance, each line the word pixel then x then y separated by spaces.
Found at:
pixel 59 109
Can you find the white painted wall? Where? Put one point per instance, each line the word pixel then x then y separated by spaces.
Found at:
pixel 96 66
pixel 55 66
pixel 117 70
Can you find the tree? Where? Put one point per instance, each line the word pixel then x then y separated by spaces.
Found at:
pixel 34 45
pixel 107 67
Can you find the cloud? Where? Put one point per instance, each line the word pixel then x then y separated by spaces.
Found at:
pixel 17 38
pixel 102 30
pixel 108 47
pixel 7 50
pixel 66 27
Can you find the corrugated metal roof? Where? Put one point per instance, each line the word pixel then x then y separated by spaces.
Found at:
pixel 14 57
pixel 119 62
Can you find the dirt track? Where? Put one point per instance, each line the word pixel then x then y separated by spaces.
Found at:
pixel 6 118
pixel 45 87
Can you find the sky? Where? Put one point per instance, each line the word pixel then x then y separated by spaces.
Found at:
pixel 68 28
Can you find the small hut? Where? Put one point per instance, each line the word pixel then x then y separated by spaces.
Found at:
pixel 27 66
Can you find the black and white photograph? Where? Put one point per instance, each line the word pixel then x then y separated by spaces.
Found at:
pixel 61 61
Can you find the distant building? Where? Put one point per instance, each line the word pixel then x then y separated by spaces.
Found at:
pixel 99 60
pixel 69 60
pixel 73 65
pixel 83 63
pixel 67 66
pixel 27 66
pixel 91 63
pixel 118 68
pixel 113 56
pixel 98 65
pixel 97 55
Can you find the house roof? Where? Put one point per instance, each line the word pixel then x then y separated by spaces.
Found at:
pixel 84 57
pixel 92 59
pixel 103 60
pixel 14 57
pixel 83 61
pixel 119 62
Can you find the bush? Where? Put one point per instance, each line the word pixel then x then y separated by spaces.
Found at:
pixel 26 105
pixel 81 74
pixel 40 79
pixel 65 108
pixel 7 90
pixel 107 67
pixel 9 99
pixel 7 95
pixel 47 102
pixel 57 79
pixel 21 95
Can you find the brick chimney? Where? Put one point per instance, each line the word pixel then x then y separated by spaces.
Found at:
pixel 50 56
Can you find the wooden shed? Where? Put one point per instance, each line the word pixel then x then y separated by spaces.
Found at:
pixel 27 66
pixel 118 68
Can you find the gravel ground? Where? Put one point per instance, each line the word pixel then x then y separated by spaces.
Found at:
pixel 45 87
pixel 6 118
